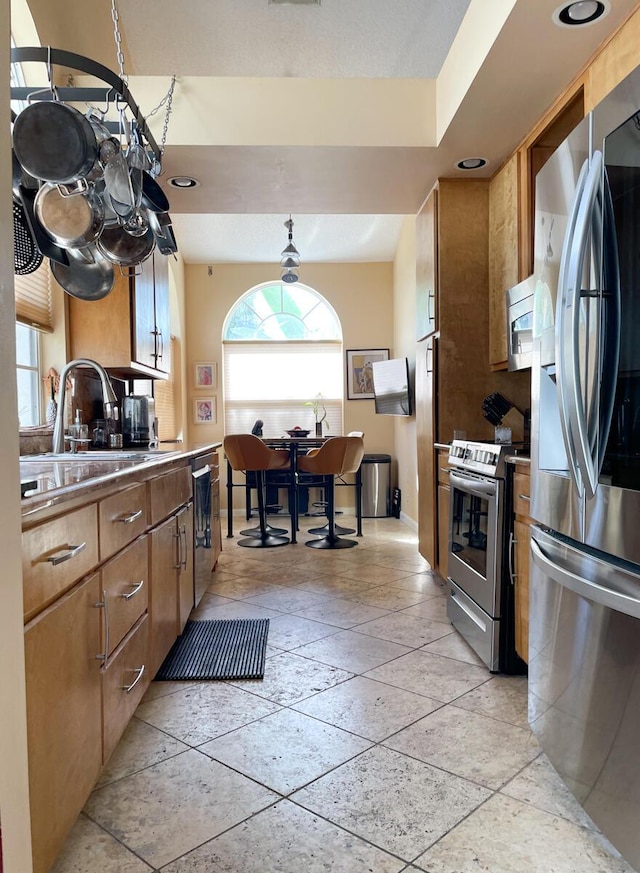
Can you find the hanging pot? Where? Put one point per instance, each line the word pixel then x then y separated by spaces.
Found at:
pixel 54 142
pixel 88 276
pixel 71 221
pixel 153 197
pixel 123 249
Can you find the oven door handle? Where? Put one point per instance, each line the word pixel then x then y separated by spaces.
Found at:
pixel 477 487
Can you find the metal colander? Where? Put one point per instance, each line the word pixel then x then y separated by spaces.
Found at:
pixel 26 256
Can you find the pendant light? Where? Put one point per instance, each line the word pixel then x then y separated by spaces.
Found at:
pixel 290 256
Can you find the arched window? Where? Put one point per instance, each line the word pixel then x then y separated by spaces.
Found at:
pixel 282 348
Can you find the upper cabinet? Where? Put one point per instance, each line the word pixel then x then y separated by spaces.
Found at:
pixel 127 331
pixel 427 267
pixel 503 255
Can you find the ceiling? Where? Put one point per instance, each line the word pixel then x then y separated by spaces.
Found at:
pixel 342 114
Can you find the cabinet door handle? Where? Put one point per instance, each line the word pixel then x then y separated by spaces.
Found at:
pixel 183 532
pixel 104 604
pixel 524 497
pixel 161 352
pixel 429 352
pixel 178 536
pixel 430 296
pixel 137 587
pixel 71 552
pixel 140 672
pixel 129 519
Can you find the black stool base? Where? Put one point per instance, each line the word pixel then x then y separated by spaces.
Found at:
pixel 324 531
pixel 263 542
pixel 271 531
pixel 328 543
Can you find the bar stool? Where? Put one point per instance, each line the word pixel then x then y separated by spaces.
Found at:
pixel 338 529
pixel 338 456
pixel 248 453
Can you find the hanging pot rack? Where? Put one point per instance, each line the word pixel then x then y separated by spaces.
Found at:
pixel 116 92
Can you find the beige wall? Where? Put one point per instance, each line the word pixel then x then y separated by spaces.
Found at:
pixel 361 294
pixel 404 319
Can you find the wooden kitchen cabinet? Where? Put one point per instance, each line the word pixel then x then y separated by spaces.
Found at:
pixel 64 720
pixel 425 438
pixel 128 330
pixel 504 234
pixel 427 267
pixel 444 504
pixel 521 540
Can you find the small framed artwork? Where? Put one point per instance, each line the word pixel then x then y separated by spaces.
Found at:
pixel 205 411
pixel 206 375
pixel 360 372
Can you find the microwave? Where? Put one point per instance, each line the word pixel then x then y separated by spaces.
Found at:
pixel 520 324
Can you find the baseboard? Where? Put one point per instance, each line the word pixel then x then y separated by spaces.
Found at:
pixel 409 521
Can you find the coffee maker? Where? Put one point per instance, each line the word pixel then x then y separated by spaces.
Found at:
pixel 138 421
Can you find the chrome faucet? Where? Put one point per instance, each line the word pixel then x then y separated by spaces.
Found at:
pixel 108 396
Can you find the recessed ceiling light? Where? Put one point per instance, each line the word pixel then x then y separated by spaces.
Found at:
pixel 580 13
pixel 471 164
pixel 183 182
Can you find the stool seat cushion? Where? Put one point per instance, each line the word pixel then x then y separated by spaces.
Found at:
pixel 245 451
pixel 337 456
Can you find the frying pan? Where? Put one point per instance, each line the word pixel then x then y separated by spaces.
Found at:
pixel 71 221
pixel 153 197
pixel 88 276
pixel 54 142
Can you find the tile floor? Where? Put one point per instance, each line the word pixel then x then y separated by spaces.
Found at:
pixel 376 742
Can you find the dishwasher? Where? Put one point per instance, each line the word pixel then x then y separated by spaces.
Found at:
pixel 202 471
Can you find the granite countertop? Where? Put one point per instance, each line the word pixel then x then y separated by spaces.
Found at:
pixel 46 480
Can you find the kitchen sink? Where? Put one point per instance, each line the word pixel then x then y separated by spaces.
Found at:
pixel 91 457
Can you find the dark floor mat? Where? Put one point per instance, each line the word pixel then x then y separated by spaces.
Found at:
pixel 218 649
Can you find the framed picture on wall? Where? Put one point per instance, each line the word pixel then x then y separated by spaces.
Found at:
pixel 205 410
pixel 206 375
pixel 360 372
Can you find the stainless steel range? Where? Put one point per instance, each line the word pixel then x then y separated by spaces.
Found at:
pixel 479 606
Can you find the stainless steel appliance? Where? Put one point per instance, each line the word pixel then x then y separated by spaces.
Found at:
pixel 520 325
pixel 584 658
pixel 138 420
pixel 479 604
pixel 203 473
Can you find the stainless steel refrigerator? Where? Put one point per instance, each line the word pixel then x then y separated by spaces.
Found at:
pixel 584 655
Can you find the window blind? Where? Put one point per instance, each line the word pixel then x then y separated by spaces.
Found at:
pixel 165 396
pixel 274 381
pixel 33 298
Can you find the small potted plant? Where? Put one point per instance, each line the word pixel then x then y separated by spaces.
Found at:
pixel 319 412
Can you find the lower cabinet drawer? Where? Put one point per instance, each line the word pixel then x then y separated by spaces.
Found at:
pixel 122 517
pixel 522 494
pixel 168 492
pixel 124 681
pixel 125 583
pixel 55 555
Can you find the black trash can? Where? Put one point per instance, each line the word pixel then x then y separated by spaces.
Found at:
pixel 376 475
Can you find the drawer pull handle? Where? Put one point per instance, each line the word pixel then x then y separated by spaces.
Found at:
pixel 71 552
pixel 140 672
pixel 137 587
pixel 129 519
pixel 523 497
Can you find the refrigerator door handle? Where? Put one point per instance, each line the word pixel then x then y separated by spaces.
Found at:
pixel 561 307
pixel 570 341
pixel 583 587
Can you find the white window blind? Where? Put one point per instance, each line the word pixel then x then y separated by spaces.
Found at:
pixel 165 397
pixel 33 298
pixel 272 381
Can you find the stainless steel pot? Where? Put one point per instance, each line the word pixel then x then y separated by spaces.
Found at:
pixel 123 249
pixel 89 275
pixel 54 142
pixel 72 221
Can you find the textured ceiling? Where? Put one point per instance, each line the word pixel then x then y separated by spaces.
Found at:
pixel 347 198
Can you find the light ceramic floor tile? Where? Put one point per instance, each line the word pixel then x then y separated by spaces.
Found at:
pixel 241 588
pixel 424 583
pixel 291 678
pixel 367 708
pixel 293 840
pixel 232 609
pixel 290 631
pixel 300 749
pixel 403 629
pixel 387 597
pixel 478 748
pixel 342 613
pixel 454 646
pixel 163 689
pixel 395 802
pixel 540 785
pixel 336 585
pixel 90 849
pixel 373 573
pixel 209 603
pixel 431 675
pixel 434 609
pixel 288 599
pixel 505 835
pixel 204 711
pixel 351 651
pixel 141 746
pixel 219 577
pixel 502 697
pixel 199 797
